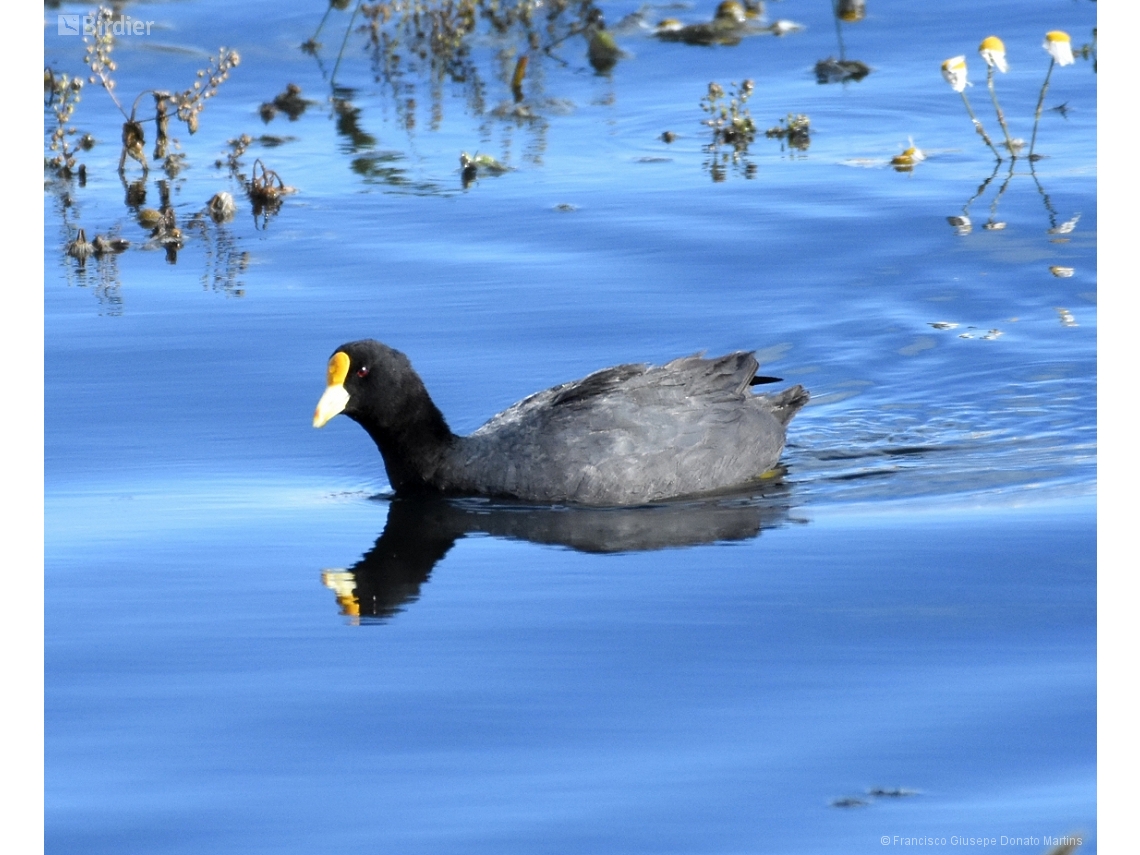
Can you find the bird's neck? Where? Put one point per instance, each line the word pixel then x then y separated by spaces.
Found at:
pixel 415 451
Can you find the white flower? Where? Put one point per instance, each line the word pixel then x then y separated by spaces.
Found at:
pixel 993 52
pixel 954 70
pixel 1059 46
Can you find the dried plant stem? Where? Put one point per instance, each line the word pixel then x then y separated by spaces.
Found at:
pixel 978 126
pixel 1000 114
pixel 1040 102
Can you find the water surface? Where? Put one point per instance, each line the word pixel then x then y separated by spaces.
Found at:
pixel 251 647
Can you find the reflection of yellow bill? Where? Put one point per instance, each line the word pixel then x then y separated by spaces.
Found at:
pixel 343 584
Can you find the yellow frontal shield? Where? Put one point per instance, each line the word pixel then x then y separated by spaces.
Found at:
pixel 335 398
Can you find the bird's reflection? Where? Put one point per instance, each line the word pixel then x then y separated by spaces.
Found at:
pixel 420 532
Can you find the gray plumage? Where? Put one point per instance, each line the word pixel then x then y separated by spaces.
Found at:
pixel 625 435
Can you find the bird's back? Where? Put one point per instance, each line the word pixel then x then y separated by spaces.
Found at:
pixel 630 434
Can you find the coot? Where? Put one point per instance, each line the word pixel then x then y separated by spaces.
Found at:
pixel 626 435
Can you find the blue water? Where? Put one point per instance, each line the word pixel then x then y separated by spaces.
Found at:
pixel 251 647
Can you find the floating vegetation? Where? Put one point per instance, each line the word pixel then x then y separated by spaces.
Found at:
pixel 729 25
pixel 221 207
pixel 109 245
pixel 911 156
pixel 850 11
pixel 795 129
pixel 238 147
pixel 732 128
pixel 63 93
pixel 266 190
pixel 843 70
pixel 80 248
pixel 602 51
pixel 849 802
pixel 288 102
pixel 784 27
pixel 893 793
pixel 166 235
pixel 481 164
pixel 832 70
pixel 731 122
pixel 149 218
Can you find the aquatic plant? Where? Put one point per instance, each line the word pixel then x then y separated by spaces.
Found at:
pixel 842 70
pixel 795 129
pixel 481 164
pixel 63 93
pixel 1059 46
pixel 731 122
pixel 910 157
pixel 992 51
pixel 832 70
pixel 850 11
pixel 187 105
pixel 729 25
pixel 266 190
pixel 955 73
pixel 602 51
pixel 288 102
pixel 733 129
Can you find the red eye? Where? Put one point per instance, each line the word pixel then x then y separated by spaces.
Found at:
pixel 362 371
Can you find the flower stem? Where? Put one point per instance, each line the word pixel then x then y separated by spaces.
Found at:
pixel 1040 101
pixel 838 27
pixel 1000 193
pixel 340 53
pixel 1044 196
pixel 1000 114
pixel 981 189
pixel 978 126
